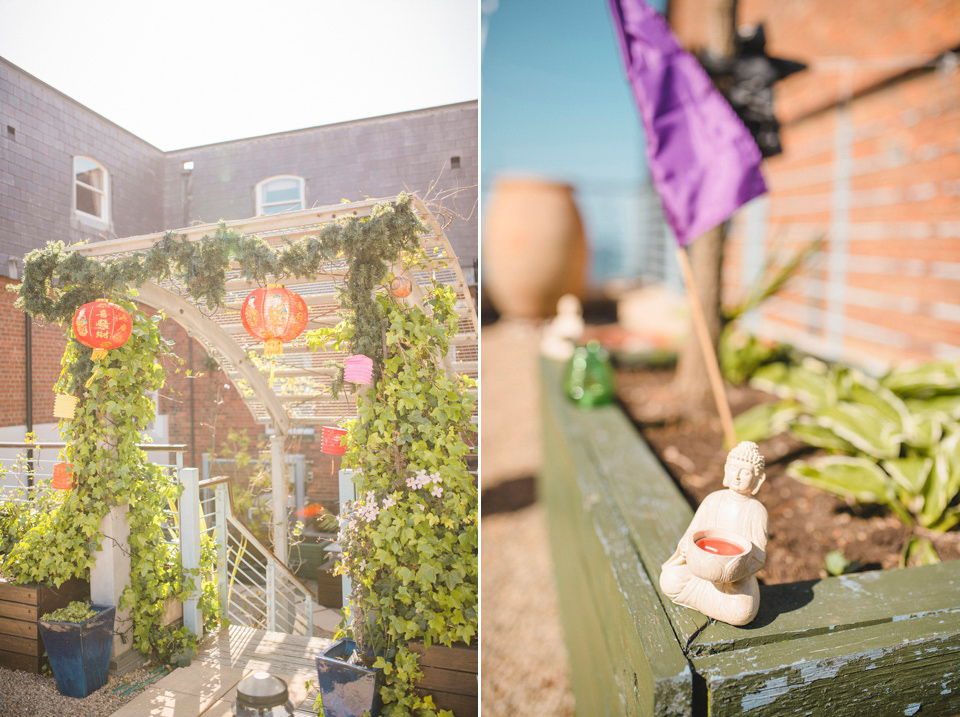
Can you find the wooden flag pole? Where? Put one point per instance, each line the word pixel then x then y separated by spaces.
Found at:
pixel 706 345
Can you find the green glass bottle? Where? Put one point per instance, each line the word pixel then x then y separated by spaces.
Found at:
pixel 589 381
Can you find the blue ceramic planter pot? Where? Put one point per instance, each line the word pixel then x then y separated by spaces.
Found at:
pixel 80 652
pixel 347 690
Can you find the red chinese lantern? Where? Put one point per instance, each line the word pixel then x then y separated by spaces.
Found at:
pixel 274 315
pixel 401 287
pixel 331 441
pixel 63 476
pixel 101 325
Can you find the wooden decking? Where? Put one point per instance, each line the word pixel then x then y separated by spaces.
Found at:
pixel 208 686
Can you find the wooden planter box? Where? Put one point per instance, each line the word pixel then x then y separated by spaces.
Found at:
pixel 20 606
pixel 450 675
pixel 875 643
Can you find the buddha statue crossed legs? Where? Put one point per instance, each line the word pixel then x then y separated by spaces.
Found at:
pixel 713 567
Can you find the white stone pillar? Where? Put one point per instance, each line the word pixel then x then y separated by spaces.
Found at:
pixel 109 577
pixel 348 492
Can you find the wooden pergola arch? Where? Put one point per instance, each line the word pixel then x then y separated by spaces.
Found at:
pixel 301 395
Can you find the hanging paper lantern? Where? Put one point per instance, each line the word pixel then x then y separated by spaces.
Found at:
pixel 63 476
pixel 101 325
pixel 274 315
pixel 358 369
pixel 331 441
pixel 64 405
pixel 401 287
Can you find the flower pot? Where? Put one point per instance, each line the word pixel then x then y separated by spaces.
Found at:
pixel 331 441
pixel 534 247
pixel 347 690
pixel 79 653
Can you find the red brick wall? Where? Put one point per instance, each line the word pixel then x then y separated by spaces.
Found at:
pixel 217 407
pixel 48 344
pixel 878 176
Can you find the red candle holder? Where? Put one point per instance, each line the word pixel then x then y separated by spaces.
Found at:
pixel 713 550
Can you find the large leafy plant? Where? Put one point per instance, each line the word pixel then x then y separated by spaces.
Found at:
pixel 893 440
pixel 410 538
pixel 111 469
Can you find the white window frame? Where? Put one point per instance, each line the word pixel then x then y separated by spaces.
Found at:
pixel 264 182
pixel 105 203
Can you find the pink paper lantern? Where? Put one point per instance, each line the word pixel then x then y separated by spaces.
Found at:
pixel 358 369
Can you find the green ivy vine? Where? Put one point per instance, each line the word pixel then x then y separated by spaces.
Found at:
pixel 57 281
pixel 111 469
pixel 410 538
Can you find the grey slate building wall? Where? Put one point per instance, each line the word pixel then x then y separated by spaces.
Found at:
pixel 41 130
pixel 377 157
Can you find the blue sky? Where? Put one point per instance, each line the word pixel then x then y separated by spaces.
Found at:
pixel 555 102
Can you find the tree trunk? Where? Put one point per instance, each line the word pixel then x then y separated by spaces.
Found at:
pixel 706 251
pixel 706 260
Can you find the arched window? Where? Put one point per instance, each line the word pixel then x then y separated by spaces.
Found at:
pixel 91 189
pixel 280 194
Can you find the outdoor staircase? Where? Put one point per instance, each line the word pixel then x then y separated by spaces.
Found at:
pixel 256 589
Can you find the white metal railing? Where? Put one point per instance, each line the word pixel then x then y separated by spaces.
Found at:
pixel 26 469
pixel 256 589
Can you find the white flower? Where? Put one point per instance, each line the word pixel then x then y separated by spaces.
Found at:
pixel 389 502
pixel 437 491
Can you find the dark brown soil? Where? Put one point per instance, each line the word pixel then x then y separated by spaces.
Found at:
pixel 805 523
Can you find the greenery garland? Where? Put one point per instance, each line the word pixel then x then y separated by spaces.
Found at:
pixel 109 468
pixel 56 282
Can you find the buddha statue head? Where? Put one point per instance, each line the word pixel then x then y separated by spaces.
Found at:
pixel 743 472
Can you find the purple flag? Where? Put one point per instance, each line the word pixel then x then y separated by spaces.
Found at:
pixel 703 161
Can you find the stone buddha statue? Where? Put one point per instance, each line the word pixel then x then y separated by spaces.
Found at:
pixel 713 567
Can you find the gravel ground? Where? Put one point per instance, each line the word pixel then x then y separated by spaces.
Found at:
pixel 524 660
pixel 23 694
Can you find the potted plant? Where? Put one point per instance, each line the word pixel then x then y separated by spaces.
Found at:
pixel 78 639
pixel 410 537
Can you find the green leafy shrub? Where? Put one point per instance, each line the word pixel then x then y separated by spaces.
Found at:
pixel 410 538
pixel 77 611
pixel 110 469
pixel 893 440
pixel 741 354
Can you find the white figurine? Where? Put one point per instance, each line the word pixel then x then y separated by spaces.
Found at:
pixel 713 568
pixel 563 332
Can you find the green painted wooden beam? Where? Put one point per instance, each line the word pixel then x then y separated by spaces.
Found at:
pixel 811 608
pixel 654 509
pixel 904 668
pixel 599 572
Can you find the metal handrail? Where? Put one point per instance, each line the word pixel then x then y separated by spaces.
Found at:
pixel 149 447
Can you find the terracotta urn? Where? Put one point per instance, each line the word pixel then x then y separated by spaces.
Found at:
pixel 534 247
